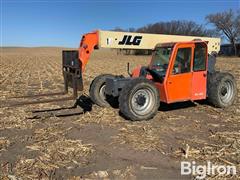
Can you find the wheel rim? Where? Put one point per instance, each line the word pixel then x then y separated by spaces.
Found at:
pixel 226 92
pixel 142 101
pixel 102 92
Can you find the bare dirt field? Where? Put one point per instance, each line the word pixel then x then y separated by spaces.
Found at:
pixel 100 144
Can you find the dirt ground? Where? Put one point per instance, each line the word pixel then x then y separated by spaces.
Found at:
pixel 100 144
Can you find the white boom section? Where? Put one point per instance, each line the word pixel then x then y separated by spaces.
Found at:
pixel 128 40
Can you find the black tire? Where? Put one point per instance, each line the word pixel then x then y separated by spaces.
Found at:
pixel 96 90
pixel 136 94
pixel 222 89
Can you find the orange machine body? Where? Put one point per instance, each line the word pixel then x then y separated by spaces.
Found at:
pixel 88 43
pixel 175 87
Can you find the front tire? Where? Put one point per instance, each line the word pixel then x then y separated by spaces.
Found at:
pixel 97 90
pixel 222 89
pixel 139 99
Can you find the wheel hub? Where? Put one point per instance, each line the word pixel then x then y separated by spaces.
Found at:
pixel 141 100
pixel 226 92
pixel 223 91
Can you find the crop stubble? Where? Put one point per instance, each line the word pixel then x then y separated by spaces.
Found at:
pixel 189 131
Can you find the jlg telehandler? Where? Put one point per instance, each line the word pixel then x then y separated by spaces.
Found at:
pixel 181 69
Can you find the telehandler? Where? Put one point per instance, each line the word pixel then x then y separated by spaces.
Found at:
pixel 181 69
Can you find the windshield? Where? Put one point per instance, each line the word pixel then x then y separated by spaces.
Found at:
pixel 160 60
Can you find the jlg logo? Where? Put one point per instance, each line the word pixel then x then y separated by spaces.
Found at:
pixel 128 40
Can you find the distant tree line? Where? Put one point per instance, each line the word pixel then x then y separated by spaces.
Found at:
pixel 226 24
pixel 180 27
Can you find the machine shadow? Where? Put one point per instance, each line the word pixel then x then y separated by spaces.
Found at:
pixel 174 106
pixel 85 103
pixel 82 105
pixel 113 102
pixel 164 107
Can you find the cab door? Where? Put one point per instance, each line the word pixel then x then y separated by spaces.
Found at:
pixel 179 81
pixel 199 79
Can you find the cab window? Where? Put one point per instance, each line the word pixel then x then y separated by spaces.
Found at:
pixel 199 61
pixel 182 62
pixel 160 60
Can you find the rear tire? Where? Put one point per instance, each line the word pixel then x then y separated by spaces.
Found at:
pixel 97 89
pixel 139 99
pixel 222 89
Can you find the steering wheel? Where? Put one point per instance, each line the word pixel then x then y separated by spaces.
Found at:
pixel 165 66
pixel 175 67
